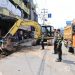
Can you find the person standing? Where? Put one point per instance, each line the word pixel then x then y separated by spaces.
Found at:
pixel 42 41
pixel 55 47
pixel 59 45
pixel 55 42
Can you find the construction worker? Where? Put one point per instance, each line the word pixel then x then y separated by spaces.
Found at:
pixel 55 42
pixel 42 41
pixel 59 46
pixel 55 47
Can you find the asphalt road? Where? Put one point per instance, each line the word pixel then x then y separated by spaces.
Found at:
pixel 34 61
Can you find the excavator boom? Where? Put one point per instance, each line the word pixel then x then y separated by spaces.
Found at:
pixel 21 22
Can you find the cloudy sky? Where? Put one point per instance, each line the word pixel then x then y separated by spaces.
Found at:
pixel 61 10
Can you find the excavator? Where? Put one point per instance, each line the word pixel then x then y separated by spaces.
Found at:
pixel 48 30
pixel 7 44
pixel 21 22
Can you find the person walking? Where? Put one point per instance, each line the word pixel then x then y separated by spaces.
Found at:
pixel 59 46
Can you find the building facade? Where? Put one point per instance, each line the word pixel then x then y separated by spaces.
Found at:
pixel 11 10
pixel 33 14
pixel 18 8
pixel 15 8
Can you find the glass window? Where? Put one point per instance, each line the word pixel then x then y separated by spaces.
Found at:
pixel 52 29
pixel 43 29
pixel 48 29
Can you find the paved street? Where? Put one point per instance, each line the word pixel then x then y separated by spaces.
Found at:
pixel 25 25
pixel 34 61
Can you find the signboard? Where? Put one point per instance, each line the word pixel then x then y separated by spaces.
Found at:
pixel 49 15
pixel 68 22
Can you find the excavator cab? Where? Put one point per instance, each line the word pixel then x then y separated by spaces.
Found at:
pixel 48 32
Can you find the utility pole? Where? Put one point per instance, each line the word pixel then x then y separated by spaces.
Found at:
pixel 44 12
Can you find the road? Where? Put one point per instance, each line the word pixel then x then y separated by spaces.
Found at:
pixel 34 61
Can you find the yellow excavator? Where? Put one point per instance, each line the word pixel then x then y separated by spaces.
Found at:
pixel 47 30
pixel 21 22
pixel 8 46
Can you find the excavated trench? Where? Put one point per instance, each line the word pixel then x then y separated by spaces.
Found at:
pixel 5 24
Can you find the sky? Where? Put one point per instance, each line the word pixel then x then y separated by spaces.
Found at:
pixel 61 10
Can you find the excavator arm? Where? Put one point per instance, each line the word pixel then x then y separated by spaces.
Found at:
pixel 21 22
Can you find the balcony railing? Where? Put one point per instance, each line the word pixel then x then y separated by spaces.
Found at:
pixel 6 12
pixel 20 3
